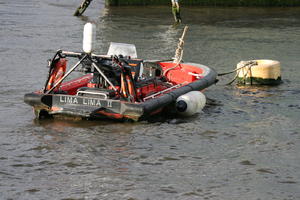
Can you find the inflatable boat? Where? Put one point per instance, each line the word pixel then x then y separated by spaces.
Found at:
pixel 119 86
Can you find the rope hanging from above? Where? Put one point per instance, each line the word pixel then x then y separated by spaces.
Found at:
pixel 179 51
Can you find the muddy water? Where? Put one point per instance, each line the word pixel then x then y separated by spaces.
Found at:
pixel 246 146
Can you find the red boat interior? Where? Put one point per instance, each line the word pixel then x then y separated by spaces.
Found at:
pixel 181 73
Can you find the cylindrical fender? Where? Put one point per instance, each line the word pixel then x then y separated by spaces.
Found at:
pixel 190 103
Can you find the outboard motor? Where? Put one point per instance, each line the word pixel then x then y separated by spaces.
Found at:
pixel 190 103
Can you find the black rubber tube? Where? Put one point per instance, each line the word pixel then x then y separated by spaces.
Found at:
pixel 154 104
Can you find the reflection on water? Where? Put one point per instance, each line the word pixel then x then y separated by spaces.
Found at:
pixel 259 91
pixel 245 144
pixel 60 124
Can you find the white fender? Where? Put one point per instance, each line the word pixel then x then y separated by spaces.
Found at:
pixel 89 36
pixel 190 103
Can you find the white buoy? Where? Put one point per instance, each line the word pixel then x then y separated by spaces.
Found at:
pixel 190 103
pixel 263 72
pixel 89 36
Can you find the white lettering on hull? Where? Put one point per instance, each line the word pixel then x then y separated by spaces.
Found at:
pixel 85 101
pixel 92 102
pixel 109 104
pixel 68 100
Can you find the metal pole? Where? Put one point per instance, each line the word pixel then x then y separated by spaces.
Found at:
pixel 67 74
pixel 103 75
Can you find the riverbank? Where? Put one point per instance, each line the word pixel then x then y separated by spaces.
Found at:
pixel 206 2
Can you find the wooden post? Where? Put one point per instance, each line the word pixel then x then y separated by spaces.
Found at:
pixel 176 11
pixel 83 6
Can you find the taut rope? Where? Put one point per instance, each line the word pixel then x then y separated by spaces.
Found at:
pixel 179 51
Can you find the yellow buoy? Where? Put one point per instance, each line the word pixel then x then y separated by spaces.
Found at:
pixel 259 72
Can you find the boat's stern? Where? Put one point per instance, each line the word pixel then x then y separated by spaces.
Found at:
pixel 47 105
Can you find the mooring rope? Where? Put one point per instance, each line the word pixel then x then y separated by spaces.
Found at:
pixel 244 64
pixel 179 51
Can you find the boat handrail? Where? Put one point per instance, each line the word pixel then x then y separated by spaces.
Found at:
pixel 77 54
pixel 95 93
pixel 163 91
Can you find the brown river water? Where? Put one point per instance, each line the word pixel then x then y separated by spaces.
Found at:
pixel 244 146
